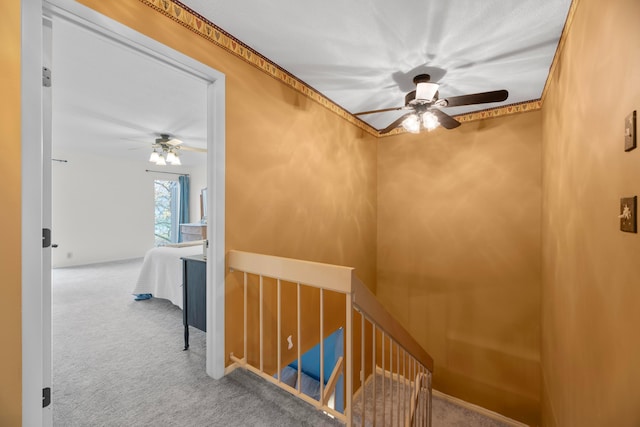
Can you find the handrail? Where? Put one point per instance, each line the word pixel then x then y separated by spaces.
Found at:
pixel 364 299
pixel 407 358
pixel 327 276
pixel 335 278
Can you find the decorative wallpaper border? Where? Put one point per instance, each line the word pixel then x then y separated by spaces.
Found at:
pixel 191 20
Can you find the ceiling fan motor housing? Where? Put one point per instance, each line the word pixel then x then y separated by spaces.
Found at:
pixel 425 92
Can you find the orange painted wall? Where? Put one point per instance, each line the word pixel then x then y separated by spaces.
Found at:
pixel 10 217
pixel 591 270
pixel 459 255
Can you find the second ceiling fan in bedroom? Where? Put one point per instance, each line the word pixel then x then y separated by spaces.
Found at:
pixel 423 105
pixel 166 149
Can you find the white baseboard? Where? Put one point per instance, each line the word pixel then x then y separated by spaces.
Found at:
pixel 479 409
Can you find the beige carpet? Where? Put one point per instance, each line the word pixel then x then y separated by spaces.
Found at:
pixel 119 362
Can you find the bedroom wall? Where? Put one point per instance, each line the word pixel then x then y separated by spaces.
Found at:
pixel 198 181
pixel 300 181
pixel 591 270
pixel 10 217
pixel 459 255
pixel 99 215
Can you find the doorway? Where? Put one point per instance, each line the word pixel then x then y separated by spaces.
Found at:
pixel 36 328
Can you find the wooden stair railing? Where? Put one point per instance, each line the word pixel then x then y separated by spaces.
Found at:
pixel 378 344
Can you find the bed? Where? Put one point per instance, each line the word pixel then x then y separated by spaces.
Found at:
pixel 161 272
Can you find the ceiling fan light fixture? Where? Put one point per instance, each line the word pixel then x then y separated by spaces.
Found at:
pixel 426 91
pixel 176 160
pixel 154 156
pixel 430 121
pixel 171 157
pixel 411 123
pixel 161 161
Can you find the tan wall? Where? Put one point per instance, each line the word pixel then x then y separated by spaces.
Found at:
pixel 301 182
pixel 10 217
pixel 591 270
pixel 459 255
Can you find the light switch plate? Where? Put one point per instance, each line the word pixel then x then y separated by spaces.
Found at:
pixel 628 209
pixel 630 132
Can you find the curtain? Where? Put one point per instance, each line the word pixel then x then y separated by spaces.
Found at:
pixel 183 212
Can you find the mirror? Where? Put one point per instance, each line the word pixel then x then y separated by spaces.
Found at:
pixel 203 206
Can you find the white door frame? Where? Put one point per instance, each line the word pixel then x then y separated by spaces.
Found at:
pixel 47 115
pixel 33 331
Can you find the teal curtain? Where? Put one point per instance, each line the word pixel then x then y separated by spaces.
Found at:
pixel 183 212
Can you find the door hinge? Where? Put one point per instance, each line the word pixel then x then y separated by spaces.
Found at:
pixel 46 77
pixel 46 397
pixel 46 237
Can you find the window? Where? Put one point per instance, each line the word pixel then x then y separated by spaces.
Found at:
pixel 167 205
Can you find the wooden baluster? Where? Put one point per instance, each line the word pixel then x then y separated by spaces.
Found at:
pixel 279 334
pixel 321 344
pixel 373 371
pixel 246 357
pixel 430 396
pixel 298 314
pixel 362 370
pixel 404 384
pixel 384 379
pixel 391 378
pixel 261 326
pixel 398 381
pixel 348 407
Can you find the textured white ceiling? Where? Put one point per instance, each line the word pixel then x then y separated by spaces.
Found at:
pixel 363 54
pixel 111 101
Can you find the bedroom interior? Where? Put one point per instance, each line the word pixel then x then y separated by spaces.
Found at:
pixel 524 343
pixel 102 179
pixel 103 189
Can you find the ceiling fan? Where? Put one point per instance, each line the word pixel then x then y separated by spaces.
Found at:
pixel 424 106
pixel 166 150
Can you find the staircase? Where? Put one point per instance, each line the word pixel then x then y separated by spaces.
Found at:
pixel 376 375
pixel 386 401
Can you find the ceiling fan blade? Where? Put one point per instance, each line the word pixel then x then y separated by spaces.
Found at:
pixel 378 111
pixel 395 124
pixel 174 142
pixel 446 121
pixel 197 149
pixel 477 98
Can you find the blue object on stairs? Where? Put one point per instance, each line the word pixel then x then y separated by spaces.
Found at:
pixel 333 349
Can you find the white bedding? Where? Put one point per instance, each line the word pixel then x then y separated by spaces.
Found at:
pixel 161 272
